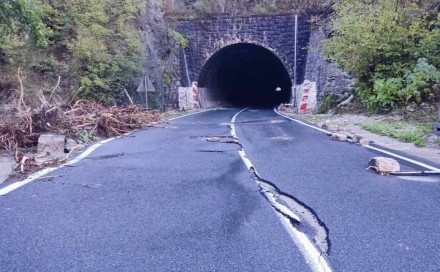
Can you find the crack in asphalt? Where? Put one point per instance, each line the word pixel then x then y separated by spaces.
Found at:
pixel 306 228
pixel 301 216
pixel 305 218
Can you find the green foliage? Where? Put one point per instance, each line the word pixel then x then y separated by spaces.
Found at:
pixel 207 8
pixel 166 78
pixel 106 46
pixel 421 84
pixel 92 45
pixel 19 18
pixel 406 132
pixel 181 41
pixel 86 137
pixel 387 45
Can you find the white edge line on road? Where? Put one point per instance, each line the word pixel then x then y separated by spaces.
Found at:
pixel 301 122
pixel 427 166
pixel 313 257
pixel 14 186
pixel 189 114
pixel 403 158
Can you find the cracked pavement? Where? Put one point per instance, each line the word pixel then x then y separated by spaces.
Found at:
pixel 179 198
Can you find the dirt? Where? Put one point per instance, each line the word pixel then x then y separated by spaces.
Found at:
pixel 350 124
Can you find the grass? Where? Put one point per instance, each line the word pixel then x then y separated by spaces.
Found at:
pixel 401 130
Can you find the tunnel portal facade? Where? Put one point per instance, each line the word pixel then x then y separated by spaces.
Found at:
pixel 245 61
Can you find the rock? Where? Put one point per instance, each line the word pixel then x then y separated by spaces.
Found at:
pixel 70 143
pixel 339 137
pixel 7 165
pixel 329 127
pixel 364 142
pixel 383 165
pixel 356 139
pixel 45 158
pixel 50 147
pixel 51 143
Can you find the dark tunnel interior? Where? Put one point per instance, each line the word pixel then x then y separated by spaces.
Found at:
pixel 245 74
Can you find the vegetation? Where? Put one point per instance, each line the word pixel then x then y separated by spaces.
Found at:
pixel 91 45
pixel 206 8
pixel 401 130
pixel 392 49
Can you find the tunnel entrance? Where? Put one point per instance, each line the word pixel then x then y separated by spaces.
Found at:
pixel 245 74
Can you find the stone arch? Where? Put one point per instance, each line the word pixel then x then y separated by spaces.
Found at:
pixel 217 46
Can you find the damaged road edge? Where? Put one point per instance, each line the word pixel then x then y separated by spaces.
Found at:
pixel 298 226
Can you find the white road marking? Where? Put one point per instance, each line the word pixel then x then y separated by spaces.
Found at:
pixel 314 258
pixel 301 122
pixel 424 165
pixel 189 114
pixel 14 186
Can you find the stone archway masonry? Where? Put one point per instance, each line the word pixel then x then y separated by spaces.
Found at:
pixel 275 33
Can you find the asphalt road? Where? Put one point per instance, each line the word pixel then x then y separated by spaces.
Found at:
pixel 179 198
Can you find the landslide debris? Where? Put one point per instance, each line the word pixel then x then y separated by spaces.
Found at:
pixel 22 126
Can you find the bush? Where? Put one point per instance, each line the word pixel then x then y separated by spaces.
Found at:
pixel 391 48
pixel 421 84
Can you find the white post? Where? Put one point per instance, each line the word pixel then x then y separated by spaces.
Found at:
pixel 294 61
pixel 146 91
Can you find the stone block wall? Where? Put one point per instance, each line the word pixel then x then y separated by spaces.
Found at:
pixel 329 78
pixel 276 33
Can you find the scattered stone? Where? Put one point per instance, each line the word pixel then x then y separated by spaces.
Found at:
pixel 383 165
pixel 7 165
pixel 329 127
pixel 70 144
pixel 51 143
pixel 339 137
pixel 364 142
pixel 356 139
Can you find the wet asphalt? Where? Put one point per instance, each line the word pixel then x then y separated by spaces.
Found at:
pixel 175 198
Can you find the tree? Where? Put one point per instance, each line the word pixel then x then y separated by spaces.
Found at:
pixel 23 19
pixel 384 39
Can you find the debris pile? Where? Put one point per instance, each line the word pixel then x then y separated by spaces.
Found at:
pixel 58 130
pixel 23 129
pixel 98 120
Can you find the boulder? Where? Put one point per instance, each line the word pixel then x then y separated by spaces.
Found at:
pixel 70 144
pixel 356 139
pixel 7 165
pixel 383 165
pixel 339 137
pixel 364 142
pixel 330 127
pixel 51 143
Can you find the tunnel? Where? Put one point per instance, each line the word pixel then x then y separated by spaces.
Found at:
pixel 244 74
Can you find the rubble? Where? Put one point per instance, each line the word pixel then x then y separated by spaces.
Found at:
pixel 364 142
pixel 51 143
pixel 383 165
pixel 330 127
pixel 339 137
pixel 356 139
pixel 7 165
pixel 45 136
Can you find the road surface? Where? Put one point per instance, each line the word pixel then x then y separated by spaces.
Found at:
pixel 180 198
